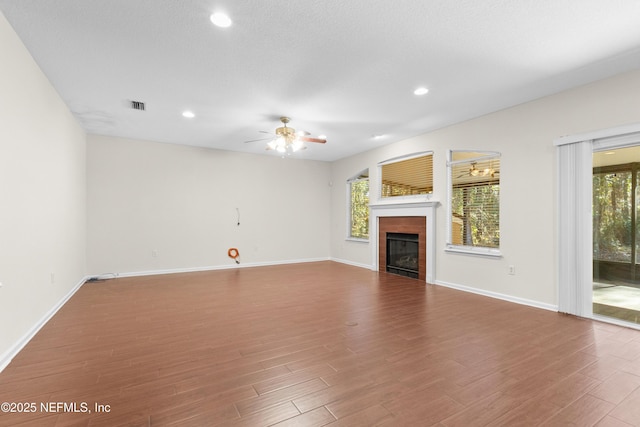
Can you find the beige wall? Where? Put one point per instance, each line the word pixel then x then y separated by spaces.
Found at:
pixel 524 135
pixel 42 195
pixel 181 203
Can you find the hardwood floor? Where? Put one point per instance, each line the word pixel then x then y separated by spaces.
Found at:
pixel 317 344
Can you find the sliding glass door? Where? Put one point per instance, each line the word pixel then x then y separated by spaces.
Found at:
pixel 616 234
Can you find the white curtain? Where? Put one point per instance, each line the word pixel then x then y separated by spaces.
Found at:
pixel 575 270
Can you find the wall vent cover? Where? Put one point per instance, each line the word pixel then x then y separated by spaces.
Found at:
pixel 137 105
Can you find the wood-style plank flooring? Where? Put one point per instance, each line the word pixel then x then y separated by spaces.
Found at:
pixel 317 344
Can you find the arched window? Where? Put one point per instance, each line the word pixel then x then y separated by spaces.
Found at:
pixel 407 176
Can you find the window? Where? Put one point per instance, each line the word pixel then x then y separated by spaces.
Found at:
pixel 613 213
pixel 474 202
pixel 358 190
pixel 411 175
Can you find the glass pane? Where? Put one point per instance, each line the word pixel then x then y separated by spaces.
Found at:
pixel 407 177
pixel 637 208
pixel 612 234
pixel 360 209
pixel 475 199
pixel 616 287
pixel 476 215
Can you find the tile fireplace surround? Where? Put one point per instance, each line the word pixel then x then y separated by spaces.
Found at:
pixel 409 217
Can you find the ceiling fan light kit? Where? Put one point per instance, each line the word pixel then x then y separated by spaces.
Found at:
pixel 288 141
pixel 473 171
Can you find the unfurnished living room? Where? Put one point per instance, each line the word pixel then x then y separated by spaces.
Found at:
pixel 319 213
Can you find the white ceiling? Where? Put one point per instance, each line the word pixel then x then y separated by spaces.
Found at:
pixel 346 69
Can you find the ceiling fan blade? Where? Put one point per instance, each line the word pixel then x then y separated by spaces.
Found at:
pixel 265 131
pixel 256 140
pixel 310 139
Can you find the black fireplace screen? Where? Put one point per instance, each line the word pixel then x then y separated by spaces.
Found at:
pixel 402 254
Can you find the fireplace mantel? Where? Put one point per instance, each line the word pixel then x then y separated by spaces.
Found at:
pixel 406 208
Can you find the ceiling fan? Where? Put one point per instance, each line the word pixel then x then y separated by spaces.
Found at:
pixel 474 171
pixel 287 140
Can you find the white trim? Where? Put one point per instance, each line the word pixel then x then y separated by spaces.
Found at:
pixel 473 250
pixel 8 355
pixel 598 134
pixel 616 142
pixel 615 321
pixel 351 263
pixel 397 200
pixel 422 208
pixel 357 240
pixel 418 200
pixel 496 295
pixel 405 157
pixel 217 267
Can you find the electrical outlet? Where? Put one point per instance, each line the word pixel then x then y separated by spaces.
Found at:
pixel 53 278
pixel 154 253
pixel 512 270
pixel 0 284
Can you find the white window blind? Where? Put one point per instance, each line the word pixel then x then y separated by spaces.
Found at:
pixel 407 177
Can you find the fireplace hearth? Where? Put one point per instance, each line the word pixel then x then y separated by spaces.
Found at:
pixel 403 252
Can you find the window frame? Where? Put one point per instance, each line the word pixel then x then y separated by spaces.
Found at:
pixel 483 251
pixel 356 178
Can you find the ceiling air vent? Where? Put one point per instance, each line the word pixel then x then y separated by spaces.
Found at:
pixel 137 105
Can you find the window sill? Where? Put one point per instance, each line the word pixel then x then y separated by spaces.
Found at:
pixel 468 250
pixel 355 239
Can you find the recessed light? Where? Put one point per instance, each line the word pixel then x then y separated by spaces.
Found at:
pixel 322 136
pixel 188 114
pixel 220 20
pixel 421 91
pixel 377 136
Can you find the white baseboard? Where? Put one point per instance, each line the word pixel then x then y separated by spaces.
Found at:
pixel 214 267
pixel 8 355
pixel 614 321
pixel 497 295
pixel 354 264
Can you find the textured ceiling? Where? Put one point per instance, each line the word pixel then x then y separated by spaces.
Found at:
pixel 346 69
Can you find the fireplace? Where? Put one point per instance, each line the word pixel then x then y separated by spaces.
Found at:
pixel 414 217
pixel 408 237
pixel 403 254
